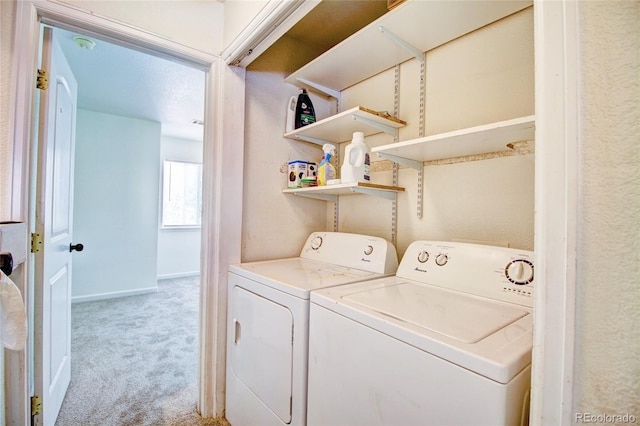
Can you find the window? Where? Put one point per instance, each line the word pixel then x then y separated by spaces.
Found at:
pixel 182 194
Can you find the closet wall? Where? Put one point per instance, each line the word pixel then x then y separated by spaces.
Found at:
pixel 483 77
pixel 275 225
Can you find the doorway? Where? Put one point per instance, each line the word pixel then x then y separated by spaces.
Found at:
pixel 221 221
pixel 135 112
pixel 128 123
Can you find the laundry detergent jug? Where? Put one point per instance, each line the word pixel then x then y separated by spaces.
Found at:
pixel 355 167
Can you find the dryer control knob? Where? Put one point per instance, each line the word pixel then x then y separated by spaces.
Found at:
pixel 423 256
pixel 368 250
pixel 519 271
pixel 442 259
pixel 316 243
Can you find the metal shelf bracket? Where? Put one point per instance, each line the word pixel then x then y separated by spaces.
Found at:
pixel 387 129
pixel 389 195
pixel 313 140
pixel 323 197
pixel 323 89
pixel 414 164
pixel 417 53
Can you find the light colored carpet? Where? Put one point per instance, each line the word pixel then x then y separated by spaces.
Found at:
pixel 135 360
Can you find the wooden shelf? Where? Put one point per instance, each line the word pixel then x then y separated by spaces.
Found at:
pixel 423 25
pixel 340 127
pixel 483 139
pixel 331 192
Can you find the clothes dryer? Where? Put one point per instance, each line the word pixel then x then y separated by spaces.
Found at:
pixel 447 341
pixel 268 317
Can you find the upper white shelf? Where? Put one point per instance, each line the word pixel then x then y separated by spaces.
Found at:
pixel 423 25
pixel 340 127
pixel 331 192
pixel 483 139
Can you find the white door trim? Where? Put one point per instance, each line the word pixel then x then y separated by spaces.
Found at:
pixel 556 220
pixel 222 164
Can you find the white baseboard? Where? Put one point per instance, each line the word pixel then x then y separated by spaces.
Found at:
pixel 114 295
pixel 178 275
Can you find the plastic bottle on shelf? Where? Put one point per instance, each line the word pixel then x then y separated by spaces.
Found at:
pixel 291 114
pixel 326 170
pixel 305 114
pixel 355 167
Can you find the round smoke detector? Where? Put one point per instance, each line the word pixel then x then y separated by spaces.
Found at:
pixel 84 42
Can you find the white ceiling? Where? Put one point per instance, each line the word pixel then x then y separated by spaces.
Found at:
pixel 122 81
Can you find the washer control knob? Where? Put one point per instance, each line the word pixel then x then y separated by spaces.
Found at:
pixel 316 243
pixel 368 250
pixel 423 256
pixel 442 259
pixel 519 271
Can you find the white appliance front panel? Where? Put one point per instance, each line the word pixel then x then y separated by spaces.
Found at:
pixel 359 376
pixel 364 252
pixel 452 314
pixel 260 293
pixel 498 273
pixel 262 349
pixel 498 356
pixel 298 276
pixel 243 406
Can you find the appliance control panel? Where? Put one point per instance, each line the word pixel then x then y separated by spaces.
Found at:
pixel 499 273
pixel 356 251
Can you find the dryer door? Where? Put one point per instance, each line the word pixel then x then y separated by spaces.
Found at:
pixel 262 349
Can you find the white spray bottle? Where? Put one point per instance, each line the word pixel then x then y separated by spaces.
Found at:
pixel 356 161
pixel 326 170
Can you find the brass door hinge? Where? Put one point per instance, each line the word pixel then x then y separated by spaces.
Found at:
pixel 36 242
pixel 42 81
pixel 36 405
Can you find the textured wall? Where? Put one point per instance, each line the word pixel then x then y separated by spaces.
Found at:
pixel 237 15
pixel 274 224
pixel 115 208
pixel 608 306
pixel 197 24
pixel 7 19
pixel 483 77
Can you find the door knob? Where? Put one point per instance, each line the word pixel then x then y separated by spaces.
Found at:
pixel 6 263
pixel 76 247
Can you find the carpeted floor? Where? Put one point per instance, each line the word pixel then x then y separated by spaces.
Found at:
pixel 135 360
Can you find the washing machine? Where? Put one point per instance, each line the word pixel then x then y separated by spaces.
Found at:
pixel 268 319
pixel 447 341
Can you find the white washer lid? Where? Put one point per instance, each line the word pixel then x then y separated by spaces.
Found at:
pixel 398 308
pixel 451 314
pixel 298 276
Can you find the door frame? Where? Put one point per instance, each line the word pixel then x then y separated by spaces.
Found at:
pixel 222 176
pixel 557 109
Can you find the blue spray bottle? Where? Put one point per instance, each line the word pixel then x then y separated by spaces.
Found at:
pixel 326 170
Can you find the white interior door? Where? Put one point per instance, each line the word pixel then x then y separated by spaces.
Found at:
pixel 54 208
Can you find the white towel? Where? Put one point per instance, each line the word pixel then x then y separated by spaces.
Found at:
pixel 13 315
